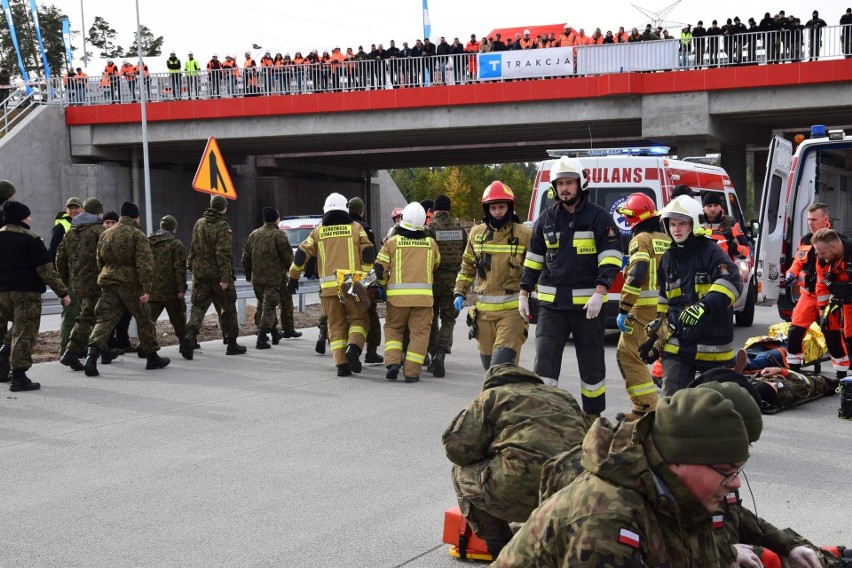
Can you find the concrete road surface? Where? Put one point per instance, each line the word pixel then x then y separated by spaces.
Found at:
pixel 269 459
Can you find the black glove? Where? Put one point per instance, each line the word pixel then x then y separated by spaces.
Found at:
pixel 648 352
pixel 733 247
pixel 292 286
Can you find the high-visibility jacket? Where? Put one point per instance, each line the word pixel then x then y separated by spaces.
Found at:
pixel 191 68
pixel 266 61
pixel 572 253
pixel 493 263
pixel 526 43
pixel 145 71
pixel 622 37
pixel 111 70
pixel 566 40
pixel 338 244
pixel 725 228
pixel 640 290
pixel 809 272
pixel 404 267
pixel 584 40
pixel 129 72
pixel 472 47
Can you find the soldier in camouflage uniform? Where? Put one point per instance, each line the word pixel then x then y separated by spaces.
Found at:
pixel 499 443
pixel 782 388
pixel 267 256
pixel 77 264
pixel 25 268
pixel 126 277
pixel 61 226
pixel 647 491
pixel 168 291
pixel 7 193
pixel 452 240
pixel 212 265
pixel 374 334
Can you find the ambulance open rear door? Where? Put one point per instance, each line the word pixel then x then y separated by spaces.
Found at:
pixel 772 221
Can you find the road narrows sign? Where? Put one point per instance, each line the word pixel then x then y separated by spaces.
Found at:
pixel 212 175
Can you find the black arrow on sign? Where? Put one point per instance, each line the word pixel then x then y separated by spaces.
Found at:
pixel 215 175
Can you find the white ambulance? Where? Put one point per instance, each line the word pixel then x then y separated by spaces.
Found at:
pixel 820 170
pixel 615 173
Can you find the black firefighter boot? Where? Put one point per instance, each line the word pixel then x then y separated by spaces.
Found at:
pixel 21 382
pixel 323 337
pixel 187 344
pixel 91 366
pixel 353 352
pixel 234 348
pixel 438 363
pixel 70 359
pixel 262 341
pixel 372 356
pixel 156 362
pixel 5 368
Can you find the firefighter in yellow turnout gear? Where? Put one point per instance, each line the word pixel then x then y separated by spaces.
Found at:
pixel 404 268
pixel 638 306
pixel 339 243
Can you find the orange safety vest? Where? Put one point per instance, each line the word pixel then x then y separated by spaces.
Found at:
pixel 526 43
pixel 265 61
pixel 567 40
pixel 144 70
pixel 111 69
pixel 129 72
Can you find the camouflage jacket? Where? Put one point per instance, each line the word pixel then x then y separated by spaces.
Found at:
pixel 517 423
pixel 25 264
pixel 170 260
pixel 451 238
pixel 210 254
pixel 124 257
pixel 790 388
pixel 624 509
pixel 267 256
pixel 77 255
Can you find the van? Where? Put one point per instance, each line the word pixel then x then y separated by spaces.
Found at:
pixel 615 173
pixel 819 170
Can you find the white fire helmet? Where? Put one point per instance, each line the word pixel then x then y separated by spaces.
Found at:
pixel 682 207
pixel 413 217
pixel 566 167
pixel 335 202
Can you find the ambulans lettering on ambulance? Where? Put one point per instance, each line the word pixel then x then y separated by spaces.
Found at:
pixel 615 173
pixel 819 170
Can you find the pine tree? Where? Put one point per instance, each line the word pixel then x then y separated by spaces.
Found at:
pixel 151 46
pixel 102 36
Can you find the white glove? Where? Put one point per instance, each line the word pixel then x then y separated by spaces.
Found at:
pixel 746 557
pixel 593 306
pixel 524 307
pixel 804 557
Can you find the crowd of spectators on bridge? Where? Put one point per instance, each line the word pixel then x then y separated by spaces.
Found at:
pixel 775 38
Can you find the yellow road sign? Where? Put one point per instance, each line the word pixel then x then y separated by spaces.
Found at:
pixel 212 175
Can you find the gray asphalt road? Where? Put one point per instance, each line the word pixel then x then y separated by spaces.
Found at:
pixel 269 459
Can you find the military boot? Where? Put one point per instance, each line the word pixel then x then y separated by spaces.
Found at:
pixel 108 355
pixel 70 359
pixel 292 333
pixel 393 372
pixel 262 341
pixel 353 352
pixel 495 546
pixel 438 369
pixel 91 366
pixel 372 356
pixel 187 344
pixel 344 370
pixel 5 368
pixel 275 335
pixel 323 337
pixel 141 352
pixel 21 382
pixel 156 362
pixel 485 360
pixel 235 348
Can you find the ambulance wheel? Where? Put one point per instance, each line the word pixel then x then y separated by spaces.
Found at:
pixel 745 317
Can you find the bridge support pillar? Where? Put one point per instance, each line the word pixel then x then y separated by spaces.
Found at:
pixel 734 162
pixel 691 148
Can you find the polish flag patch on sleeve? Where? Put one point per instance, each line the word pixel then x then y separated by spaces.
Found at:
pixel 629 538
pixel 718 521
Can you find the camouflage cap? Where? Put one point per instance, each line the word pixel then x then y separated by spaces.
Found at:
pixel 218 203
pixel 7 190
pixel 93 205
pixel 168 223
pixel 72 201
pixel 699 426
pixel 356 206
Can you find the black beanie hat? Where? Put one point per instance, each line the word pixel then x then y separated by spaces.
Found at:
pixel 681 189
pixel 442 203
pixel 711 198
pixel 7 190
pixel 15 212
pixel 110 216
pixel 427 204
pixel 270 215
pixel 129 209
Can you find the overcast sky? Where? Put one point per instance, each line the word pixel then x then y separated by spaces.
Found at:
pixel 232 26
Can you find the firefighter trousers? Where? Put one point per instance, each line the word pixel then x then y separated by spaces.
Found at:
pixel 553 329
pixel 501 330
pixel 637 377
pixel 418 319
pixel 347 323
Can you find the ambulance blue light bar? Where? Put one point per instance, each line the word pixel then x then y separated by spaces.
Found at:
pixel 592 152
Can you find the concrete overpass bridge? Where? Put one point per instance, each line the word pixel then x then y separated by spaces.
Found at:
pixel 291 151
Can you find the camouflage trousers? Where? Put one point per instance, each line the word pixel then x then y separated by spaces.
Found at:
pixel 443 312
pixel 488 508
pixel 85 323
pixel 268 299
pixel 418 321
pixel 205 292
pixel 286 308
pixel 637 376
pixel 68 321
pixel 114 301
pixel 347 323
pixel 23 309
pixel 176 308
